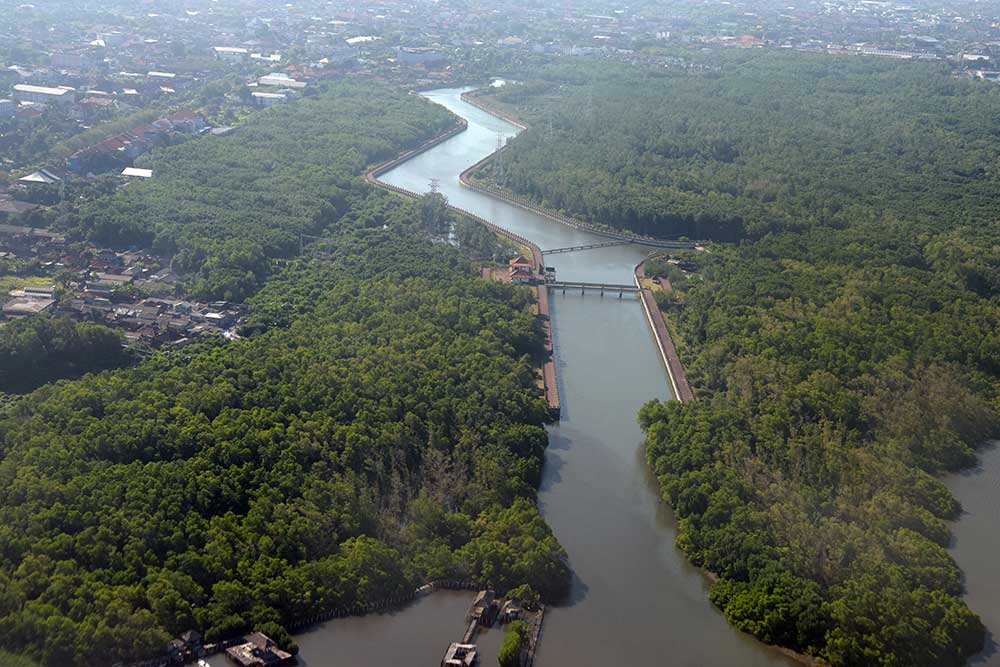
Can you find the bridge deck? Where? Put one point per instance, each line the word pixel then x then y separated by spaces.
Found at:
pixel 589 246
pixel 608 287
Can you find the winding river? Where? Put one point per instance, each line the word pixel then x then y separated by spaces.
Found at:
pixel 634 598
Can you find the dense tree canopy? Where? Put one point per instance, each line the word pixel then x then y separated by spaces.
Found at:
pixel 226 205
pixel 378 424
pixel 845 353
pixel 774 142
pixel 39 349
pixel 366 444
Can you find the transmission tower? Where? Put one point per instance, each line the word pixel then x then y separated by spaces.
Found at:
pixel 435 185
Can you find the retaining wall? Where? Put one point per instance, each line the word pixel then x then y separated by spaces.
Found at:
pixel 665 344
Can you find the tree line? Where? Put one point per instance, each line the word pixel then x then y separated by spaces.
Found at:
pixel 377 425
pixel 225 207
pixel 844 354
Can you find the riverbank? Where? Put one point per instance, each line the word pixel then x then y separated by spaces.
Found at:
pixel 668 352
pixel 548 369
pixel 372 175
pixel 468 181
pixel 675 370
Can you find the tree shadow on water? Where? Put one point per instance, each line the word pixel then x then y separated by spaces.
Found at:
pixel 989 652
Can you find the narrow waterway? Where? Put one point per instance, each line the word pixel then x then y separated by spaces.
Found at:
pixel 976 545
pixel 635 598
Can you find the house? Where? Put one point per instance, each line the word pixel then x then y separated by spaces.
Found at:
pixel 24 306
pixel 511 611
pixel 134 172
pixel 186 647
pixel 230 54
pixel 520 271
pixel 43 292
pixel 221 320
pixel 484 608
pixel 187 121
pixel 40 177
pixel 460 655
pixel 94 107
pixel 268 99
pixel 63 95
pixel 259 650
pixel 74 59
pixel 7 108
pixel 281 81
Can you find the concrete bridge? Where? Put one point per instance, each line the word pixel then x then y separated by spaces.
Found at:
pixel 594 287
pixel 591 246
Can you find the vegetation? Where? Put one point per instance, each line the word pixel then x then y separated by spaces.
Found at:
pixel 36 350
pixel 378 424
pixel 228 205
pixel 481 242
pixel 779 142
pixel 514 640
pixel 843 354
pixel 11 660
pixel 383 431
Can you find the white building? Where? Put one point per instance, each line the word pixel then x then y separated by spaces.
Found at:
pixel 44 94
pixel 268 99
pixel 233 54
pixel 280 80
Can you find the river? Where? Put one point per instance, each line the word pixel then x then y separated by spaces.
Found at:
pixel 634 597
pixel 976 544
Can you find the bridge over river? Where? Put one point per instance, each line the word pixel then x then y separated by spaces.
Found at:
pixel 634 599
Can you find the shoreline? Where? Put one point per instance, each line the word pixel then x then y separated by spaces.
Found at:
pixel 801 658
pixel 550 381
pixel 465 178
pixel 668 353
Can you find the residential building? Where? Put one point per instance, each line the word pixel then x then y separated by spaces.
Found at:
pixel 233 54
pixel 259 650
pixel 63 95
pixel 268 99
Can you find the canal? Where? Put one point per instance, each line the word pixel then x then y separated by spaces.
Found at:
pixel 634 597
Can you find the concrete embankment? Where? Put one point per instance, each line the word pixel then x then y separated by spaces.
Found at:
pixel 466 179
pixel 461 126
pixel 471 98
pixel 551 386
pixel 665 344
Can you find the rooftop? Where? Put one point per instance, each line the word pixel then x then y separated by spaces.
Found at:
pixel 43 90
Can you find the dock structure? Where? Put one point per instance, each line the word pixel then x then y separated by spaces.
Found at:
pixel 460 655
pixel 259 650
